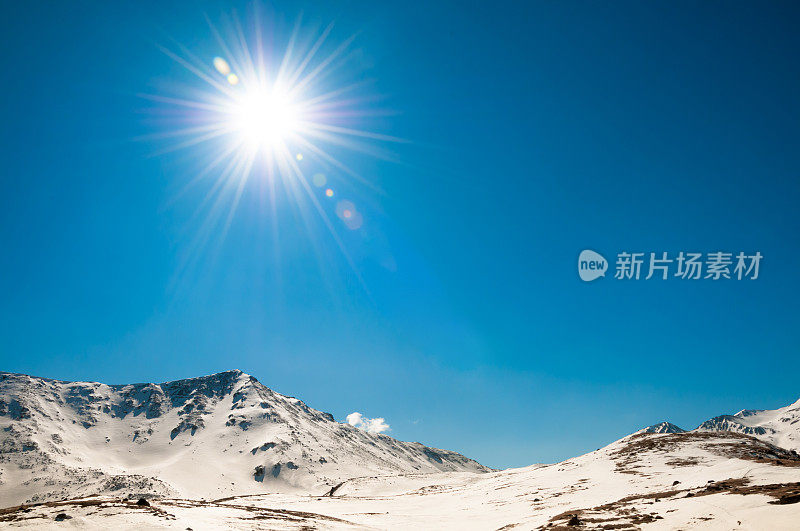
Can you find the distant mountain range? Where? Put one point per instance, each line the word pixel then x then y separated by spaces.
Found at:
pixel 780 427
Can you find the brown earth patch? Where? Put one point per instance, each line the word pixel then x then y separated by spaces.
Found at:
pixel 22 512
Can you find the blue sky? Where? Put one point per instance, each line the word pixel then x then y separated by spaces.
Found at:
pixel 534 131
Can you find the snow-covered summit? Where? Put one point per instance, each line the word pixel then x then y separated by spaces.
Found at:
pixel 204 436
pixel 663 427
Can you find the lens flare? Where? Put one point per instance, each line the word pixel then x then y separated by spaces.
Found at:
pixel 319 180
pixel 222 66
pixel 351 217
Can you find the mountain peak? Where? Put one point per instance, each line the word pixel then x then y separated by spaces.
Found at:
pixel 664 427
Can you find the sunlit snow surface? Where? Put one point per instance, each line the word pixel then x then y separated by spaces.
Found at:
pixel 204 452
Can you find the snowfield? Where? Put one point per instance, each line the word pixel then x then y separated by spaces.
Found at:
pixel 226 452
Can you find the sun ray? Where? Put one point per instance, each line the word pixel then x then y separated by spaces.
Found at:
pixel 196 71
pixel 310 55
pixel 319 68
pixel 205 171
pixel 192 141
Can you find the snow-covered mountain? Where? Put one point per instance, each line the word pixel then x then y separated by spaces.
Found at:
pixel 225 452
pixel 201 437
pixel 779 426
pixel 663 427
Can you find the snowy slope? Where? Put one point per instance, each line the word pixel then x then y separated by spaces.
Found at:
pixel 201 437
pixel 653 481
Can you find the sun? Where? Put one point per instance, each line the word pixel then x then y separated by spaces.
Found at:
pixel 265 118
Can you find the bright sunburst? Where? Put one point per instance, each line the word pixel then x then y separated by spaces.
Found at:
pixel 276 113
pixel 257 101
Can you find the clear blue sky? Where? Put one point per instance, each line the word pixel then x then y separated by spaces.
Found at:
pixel 536 129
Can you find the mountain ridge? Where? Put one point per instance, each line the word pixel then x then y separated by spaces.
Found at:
pixel 780 426
pixel 206 436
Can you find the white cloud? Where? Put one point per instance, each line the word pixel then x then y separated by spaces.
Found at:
pixel 354 419
pixel 376 425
